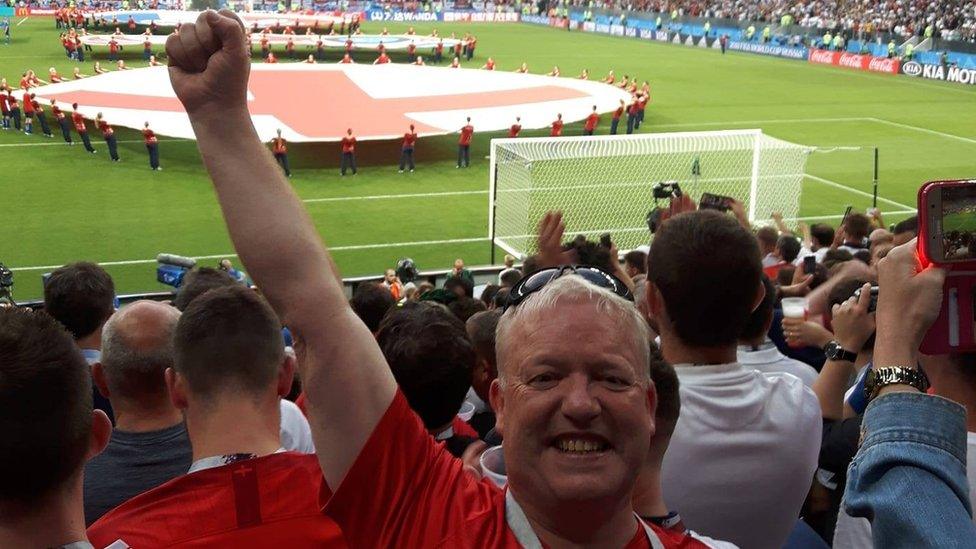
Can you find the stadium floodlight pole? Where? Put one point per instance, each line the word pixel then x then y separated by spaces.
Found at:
pixel 874 202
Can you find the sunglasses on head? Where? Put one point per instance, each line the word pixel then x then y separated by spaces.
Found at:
pixel 538 280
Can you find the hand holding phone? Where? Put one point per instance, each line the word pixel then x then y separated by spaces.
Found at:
pixel 718 202
pixel 810 264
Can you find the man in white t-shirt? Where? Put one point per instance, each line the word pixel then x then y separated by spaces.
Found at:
pixel 816 241
pixel 756 351
pixel 745 448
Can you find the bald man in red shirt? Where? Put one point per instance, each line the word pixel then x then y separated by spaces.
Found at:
pixel 591 121
pixel 406 151
pixel 348 144
pixel 464 144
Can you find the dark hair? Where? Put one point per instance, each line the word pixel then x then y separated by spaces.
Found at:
pixel 488 294
pixel 835 256
pixel 466 307
pixel 454 282
pixel 756 327
pixel 636 259
pixel 857 227
pixel 668 399
pixel 81 296
pixel 530 265
pixel 510 277
pixel 483 327
pixel 864 256
pixel 431 358
pixel 707 268
pixel 785 275
pixel 45 388
pixel 370 301
pixel 909 225
pixel 198 282
pixel 840 293
pixel 501 298
pixel 590 253
pixel 822 234
pixel 228 340
pixel 789 248
pixel 767 236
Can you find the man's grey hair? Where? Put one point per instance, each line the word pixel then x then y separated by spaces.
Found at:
pixel 137 348
pixel 574 289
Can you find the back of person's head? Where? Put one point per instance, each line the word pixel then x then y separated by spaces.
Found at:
pixel 590 253
pixel 706 268
pixel 137 348
pixel 835 257
pixel 370 302
pixel 46 412
pixel 530 265
pixel 788 247
pixel 758 325
pixel 767 237
pixel 481 330
pixel 857 227
pixel 228 342
pixel 431 358
pixel 198 282
pixel 488 295
pixel 822 234
pixel 501 298
pixel 81 296
pixel 905 230
pixel 636 260
pixel 510 277
pixel 462 287
pixel 465 307
pixel 863 256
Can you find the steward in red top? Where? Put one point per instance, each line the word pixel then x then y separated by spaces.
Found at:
pixel 591 121
pixel 557 126
pixel 515 128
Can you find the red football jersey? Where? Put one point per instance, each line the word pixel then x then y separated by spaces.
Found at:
pixel 3 104
pixel 270 501
pixel 466 133
pixel 382 59
pixel 24 83
pixel 409 139
pixel 28 106
pixel 79 122
pixel 424 498
pixel 618 113
pixel 107 130
pixel 278 145
pixel 643 101
pixel 348 144
pixel 56 111
pixel 557 129
pixel 591 121
pixel 149 136
pixel 514 130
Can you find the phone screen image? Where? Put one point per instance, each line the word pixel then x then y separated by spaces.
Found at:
pixel 959 222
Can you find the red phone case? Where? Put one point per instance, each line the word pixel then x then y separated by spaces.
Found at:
pixel 952 331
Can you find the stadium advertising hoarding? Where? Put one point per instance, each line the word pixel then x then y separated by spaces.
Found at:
pixel 6 12
pixel 448 16
pixel 855 61
pixel 939 72
pixel 543 20
pixel 380 15
pixel 481 17
pixel 770 49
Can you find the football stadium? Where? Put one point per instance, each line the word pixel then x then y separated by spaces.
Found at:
pixel 455 273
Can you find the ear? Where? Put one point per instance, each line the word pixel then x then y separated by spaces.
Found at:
pixel 760 295
pixel 286 375
pixel 177 389
pixel 655 302
pixel 101 432
pixel 101 383
pixel 497 400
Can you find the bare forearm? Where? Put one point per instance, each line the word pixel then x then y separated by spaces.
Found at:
pixel 830 386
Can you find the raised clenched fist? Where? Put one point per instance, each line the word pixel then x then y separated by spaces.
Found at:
pixel 209 64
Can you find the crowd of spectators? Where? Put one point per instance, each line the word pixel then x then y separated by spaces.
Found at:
pixel 661 399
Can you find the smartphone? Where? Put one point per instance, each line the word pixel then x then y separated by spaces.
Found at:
pixel 847 212
pixel 873 306
pixel 809 264
pixel 605 241
pixel 718 202
pixel 947 215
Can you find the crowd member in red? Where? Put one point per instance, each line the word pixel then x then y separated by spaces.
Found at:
pixel 576 412
pixel 41 119
pixel 28 114
pixel 152 146
pixel 439 52
pixel 271 58
pixel 615 119
pixel 585 75
pixel 455 63
pixel 109 135
pixel 489 65
pixel 4 108
pixel 14 107
pixel 643 99
pixel 591 121
pixel 346 59
pixel 290 48
pixel 382 59
pixel 557 126
pixel 230 372
pixel 46 383
pixel 464 144
pixel 280 150
pixel 632 111
pixel 554 72
pixel 610 78
pixel 113 50
pixel 419 61
pixel 147 49
pixel 79 122
pixel 516 128
pixel 62 122
pixel 348 144
pixel 406 150
pixel 523 69
pixel 98 68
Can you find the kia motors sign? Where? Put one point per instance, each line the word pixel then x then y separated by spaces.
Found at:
pixel 855 61
pixel 945 73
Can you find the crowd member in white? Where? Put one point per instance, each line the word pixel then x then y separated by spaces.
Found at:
pixel 758 352
pixel 751 439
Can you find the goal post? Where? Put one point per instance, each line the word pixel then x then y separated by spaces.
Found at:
pixel 602 184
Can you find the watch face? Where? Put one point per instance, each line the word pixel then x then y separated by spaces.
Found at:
pixel 832 349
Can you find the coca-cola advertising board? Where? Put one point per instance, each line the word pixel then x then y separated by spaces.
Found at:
pixel 855 61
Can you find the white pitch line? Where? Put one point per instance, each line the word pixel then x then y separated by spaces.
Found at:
pixel 925 130
pixel 21 22
pixel 391 196
pixel 219 256
pixel 766 121
pixel 60 142
pixel 857 191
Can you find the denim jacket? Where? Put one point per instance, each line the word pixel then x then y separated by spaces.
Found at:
pixel 909 477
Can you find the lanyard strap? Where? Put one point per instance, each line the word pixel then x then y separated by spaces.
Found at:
pixel 518 523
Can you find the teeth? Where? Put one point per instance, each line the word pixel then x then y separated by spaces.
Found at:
pixel 579 446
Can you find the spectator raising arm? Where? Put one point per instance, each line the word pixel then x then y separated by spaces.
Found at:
pixel 345 378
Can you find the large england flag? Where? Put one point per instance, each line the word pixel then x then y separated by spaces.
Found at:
pixel 318 102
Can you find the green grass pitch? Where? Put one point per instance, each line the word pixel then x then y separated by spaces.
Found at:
pixel 963 222
pixel 62 205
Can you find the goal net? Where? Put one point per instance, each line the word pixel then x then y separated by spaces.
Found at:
pixel 603 184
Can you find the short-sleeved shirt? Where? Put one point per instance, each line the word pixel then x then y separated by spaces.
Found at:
pixel 514 130
pixel 557 129
pixel 424 498
pixel 149 136
pixel 106 130
pixel 79 122
pixel 591 121
pixel 270 501
pixel 409 139
pixel 466 133
pixel 382 59
pixel 348 144
pixel 618 113
pixel 278 145
pixel 28 106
